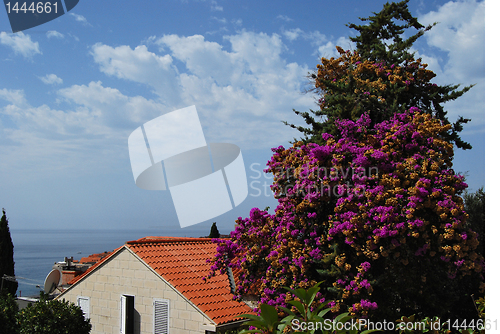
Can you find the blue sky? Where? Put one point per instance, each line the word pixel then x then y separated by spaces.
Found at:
pixel 72 90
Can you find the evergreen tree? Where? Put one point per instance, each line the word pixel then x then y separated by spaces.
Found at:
pixel 475 208
pixel 214 232
pixel 6 255
pixel 380 77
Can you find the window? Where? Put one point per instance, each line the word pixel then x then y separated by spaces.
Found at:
pixel 127 314
pixel 161 316
pixel 84 303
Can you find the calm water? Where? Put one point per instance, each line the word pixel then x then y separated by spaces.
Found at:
pixel 36 251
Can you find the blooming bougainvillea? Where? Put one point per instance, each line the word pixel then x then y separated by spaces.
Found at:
pixel 374 212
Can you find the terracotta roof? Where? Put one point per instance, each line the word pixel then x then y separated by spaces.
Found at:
pixel 92 258
pixel 183 263
pixel 95 265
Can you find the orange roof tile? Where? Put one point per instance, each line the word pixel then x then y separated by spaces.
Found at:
pixel 183 263
pixel 98 261
pixel 92 258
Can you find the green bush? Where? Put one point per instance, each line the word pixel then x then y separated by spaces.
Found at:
pixel 8 311
pixel 305 316
pixel 53 317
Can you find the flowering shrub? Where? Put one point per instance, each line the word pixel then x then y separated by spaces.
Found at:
pixel 375 214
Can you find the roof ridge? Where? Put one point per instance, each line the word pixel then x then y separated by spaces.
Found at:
pixel 162 239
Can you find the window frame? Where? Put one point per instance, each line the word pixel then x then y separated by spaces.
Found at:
pixel 127 310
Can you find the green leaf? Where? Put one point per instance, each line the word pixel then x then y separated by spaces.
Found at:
pixel 310 295
pixel 343 317
pixel 258 324
pixel 299 306
pixel 269 314
pixel 300 293
pixel 323 312
pixel 250 316
pixel 286 310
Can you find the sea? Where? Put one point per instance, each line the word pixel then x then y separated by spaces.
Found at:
pixel 37 250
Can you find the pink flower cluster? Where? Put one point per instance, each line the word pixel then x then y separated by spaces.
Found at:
pixel 337 218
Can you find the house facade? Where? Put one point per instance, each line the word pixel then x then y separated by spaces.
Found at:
pixel 155 285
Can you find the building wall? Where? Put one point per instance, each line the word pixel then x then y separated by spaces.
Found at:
pixel 125 274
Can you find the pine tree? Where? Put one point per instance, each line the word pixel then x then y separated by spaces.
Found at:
pixel 381 76
pixel 6 255
pixel 214 232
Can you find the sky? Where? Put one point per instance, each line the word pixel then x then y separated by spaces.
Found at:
pixel 73 89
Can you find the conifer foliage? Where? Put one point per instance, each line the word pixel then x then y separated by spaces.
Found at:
pixel 214 231
pixel 381 77
pixel 6 255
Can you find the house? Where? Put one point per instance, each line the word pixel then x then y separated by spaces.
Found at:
pixel 155 285
pixel 70 268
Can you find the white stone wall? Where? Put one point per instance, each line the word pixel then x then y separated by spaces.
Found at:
pixel 125 274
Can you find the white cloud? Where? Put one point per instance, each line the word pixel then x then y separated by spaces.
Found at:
pixel 284 18
pixel 74 37
pixel 111 107
pixel 239 91
pixel 87 135
pixel 315 37
pixel 51 79
pixel 221 21
pixel 54 34
pixel 15 97
pixel 81 19
pixel 139 65
pixel 20 43
pixel 460 34
pixel 293 34
pixel 215 7
pixel 47 138
pixel 329 49
pixel 237 22
pixel 324 47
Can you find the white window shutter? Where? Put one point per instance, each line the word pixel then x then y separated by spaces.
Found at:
pixel 123 312
pixel 84 304
pixel 161 316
